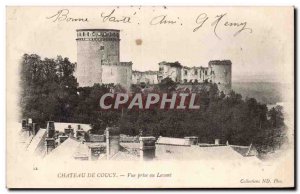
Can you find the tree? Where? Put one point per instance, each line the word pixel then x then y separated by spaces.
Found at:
pixel 167 85
pixel 48 88
pixel 49 91
pixel 276 116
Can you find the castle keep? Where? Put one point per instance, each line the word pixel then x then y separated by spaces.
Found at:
pixel 98 61
pixel 98 58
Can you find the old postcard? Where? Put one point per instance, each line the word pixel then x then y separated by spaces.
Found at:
pixel 150 97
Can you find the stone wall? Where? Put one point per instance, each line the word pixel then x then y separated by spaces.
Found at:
pixel 221 74
pixel 120 73
pixel 170 70
pixel 94 47
pixel 148 77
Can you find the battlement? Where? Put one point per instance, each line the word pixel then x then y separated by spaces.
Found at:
pixel 98 52
pixel 98 35
pixel 127 64
pixel 219 62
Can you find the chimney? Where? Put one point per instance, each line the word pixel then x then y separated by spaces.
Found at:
pixel 192 140
pixel 69 131
pixel 24 125
pixel 147 148
pixel 50 129
pixel 30 121
pixel 27 126
pixel 112 141
pixel 35 128
pixel 80 133
pixel 217 141
pixel 96 151
pixel 50 144
pixel 62 138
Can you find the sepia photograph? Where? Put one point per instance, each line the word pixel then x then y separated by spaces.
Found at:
pixel 150 97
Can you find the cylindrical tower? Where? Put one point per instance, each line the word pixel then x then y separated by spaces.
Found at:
pixel 95 47
pixel 221 74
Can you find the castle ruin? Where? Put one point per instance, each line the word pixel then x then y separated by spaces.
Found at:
pixel 98 61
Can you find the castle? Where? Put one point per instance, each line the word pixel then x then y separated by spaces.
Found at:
pixel 98 61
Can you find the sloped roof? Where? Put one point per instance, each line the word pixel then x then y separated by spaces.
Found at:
pixel 130 145
pixel 164 152
pixel 24 138
pixel 124 155
pixel 37 145
pixel 172 141
pixel 245 150
pixel 65 150
pixel 82 150
pixel 240 149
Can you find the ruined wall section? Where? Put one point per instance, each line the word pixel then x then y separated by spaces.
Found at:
pixel 148 77
pixel 171 70
pixel 222 74
pixel 195 74
pixel 120 73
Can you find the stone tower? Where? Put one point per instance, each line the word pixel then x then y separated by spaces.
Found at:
pixel 96 47
pixel 221 74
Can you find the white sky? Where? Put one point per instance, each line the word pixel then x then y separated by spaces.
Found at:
pixel 266 54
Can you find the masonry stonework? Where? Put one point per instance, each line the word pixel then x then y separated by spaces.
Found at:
pixel 98 61
pixel 98 58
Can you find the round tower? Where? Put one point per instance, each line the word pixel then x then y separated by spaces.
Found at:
pixel 221 74
pixel 94 48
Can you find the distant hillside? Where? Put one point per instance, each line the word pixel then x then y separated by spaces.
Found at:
pixel 264 92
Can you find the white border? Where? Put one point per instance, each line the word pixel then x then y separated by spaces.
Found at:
pixel 99 3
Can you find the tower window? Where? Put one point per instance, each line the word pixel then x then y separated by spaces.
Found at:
pixel 185 72
pixel 88 33
pixel 196 72
pixel 101 47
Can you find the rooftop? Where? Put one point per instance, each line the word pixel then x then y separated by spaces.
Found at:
pixel 62 126
pixel 172 141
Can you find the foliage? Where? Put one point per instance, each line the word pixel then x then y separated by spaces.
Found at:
pixel 50 92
